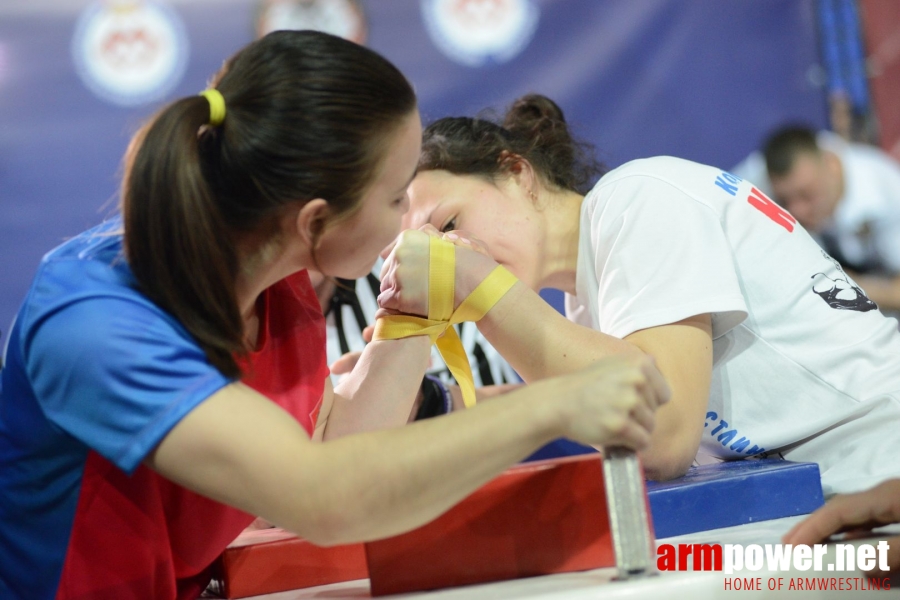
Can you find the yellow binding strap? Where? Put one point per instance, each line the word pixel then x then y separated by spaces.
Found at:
pixel 442 317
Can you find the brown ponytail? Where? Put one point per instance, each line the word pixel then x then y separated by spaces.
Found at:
pixel 306 116
pixel 177 242
pixel 534 128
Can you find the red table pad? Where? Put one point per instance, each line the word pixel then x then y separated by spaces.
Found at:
pixel 273 560
pixel 534 519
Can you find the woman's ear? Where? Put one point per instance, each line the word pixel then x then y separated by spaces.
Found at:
pixel 310 222
pixel 525 177
pixel 520 170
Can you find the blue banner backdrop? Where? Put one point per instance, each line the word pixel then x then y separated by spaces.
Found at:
pixel 700 79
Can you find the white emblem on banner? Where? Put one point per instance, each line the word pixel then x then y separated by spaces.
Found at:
pixel 478 32
pixel 130 52
pixel 343 18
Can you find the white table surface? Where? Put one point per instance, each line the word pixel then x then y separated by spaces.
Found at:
pixel 705 585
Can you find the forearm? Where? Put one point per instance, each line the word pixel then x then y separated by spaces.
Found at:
pixel 422 477
pixel 486 392
pixel 492 391
pixel 539 342
pixel 246 452
pixel 380 391
pixel 239 448
pixel 533 337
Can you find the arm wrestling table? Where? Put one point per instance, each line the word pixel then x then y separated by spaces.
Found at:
pixel 599 583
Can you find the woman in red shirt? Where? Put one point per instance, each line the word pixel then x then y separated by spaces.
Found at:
pixel 166 373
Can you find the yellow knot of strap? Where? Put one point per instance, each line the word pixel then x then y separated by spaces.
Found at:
pixel 216 106
pixel 442 317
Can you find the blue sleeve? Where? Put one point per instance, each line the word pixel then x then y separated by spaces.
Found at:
pixel 116 374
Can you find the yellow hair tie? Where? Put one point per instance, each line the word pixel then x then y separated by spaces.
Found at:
pixel 442 317
pixel 216 106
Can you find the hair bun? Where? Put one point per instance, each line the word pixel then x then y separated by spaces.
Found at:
pixel 532 113
pixel 534 129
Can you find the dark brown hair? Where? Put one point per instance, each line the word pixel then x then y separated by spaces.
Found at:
pixel 533 128
pixel 306 117
pixel 784 145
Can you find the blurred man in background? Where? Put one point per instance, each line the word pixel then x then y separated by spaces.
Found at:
pixel 846 195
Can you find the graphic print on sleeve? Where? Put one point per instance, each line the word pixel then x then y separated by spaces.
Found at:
pixel 841 293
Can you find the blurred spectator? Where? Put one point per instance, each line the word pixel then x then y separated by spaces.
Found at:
pixel 846 195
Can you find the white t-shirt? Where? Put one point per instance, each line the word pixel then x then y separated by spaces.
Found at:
pixel 866 223
pixel 803 364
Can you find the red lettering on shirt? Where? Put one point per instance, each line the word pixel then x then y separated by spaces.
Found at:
pixel 761 202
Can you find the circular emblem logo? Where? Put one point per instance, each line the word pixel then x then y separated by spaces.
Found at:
pixel 344 18
pixel 130 52
pixel 479 32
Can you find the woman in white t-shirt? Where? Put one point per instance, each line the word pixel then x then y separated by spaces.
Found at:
pixel 769 348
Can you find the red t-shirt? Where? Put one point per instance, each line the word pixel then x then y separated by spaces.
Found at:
pixel 142 536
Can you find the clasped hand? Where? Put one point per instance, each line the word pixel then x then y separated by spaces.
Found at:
pixel 404 275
